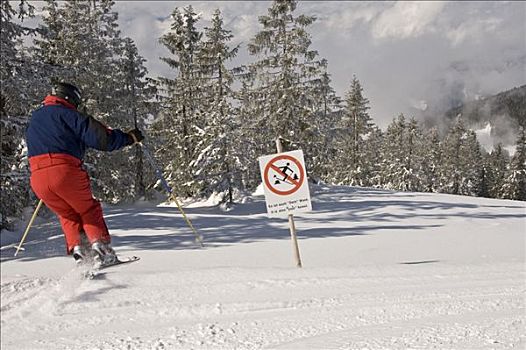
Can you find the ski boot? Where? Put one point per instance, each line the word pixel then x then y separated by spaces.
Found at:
pixel 105 255
pixel 79 254
pixel 83 254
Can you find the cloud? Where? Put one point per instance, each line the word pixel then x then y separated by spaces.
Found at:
pixel 245 26
pixel 409 56
pixel 407 19
pixel 485 138
pixel 344 16
pixel 146 21
pixel 420 105
pixel 472 29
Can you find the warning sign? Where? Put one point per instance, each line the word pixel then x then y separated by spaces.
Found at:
pixel 285 183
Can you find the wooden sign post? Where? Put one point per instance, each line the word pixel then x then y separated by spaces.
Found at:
pixel 294 237
pixel 286 188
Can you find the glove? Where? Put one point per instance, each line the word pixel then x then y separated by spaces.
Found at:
pixel 136 135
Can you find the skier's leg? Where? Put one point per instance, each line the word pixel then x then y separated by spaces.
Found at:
pixel 71 226
pixel 77 193
pixel 69 220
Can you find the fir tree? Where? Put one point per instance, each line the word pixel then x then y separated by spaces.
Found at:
pixel 413 148
pixel 48 47
pixel 217 163
pixel 327 109
pixel 515 182
pixel 21 84
pixel 355 127
pixel 179 127
pixel 249 137
pixel 372 157
pixel 284 78
pixel 81 40
pixel 136 101
pixel 431 159
pixel 495 170
pixel 107 95
pixel 471 167
pixel 394 172
pixel 451 174
pixel 21 75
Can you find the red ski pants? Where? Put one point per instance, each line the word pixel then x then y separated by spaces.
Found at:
pixel 62 184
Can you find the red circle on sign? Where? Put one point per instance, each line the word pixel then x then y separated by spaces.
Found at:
pixel 297 183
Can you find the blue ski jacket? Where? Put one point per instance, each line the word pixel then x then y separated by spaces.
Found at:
pixel 57 127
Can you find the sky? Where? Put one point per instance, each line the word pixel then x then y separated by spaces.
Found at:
pixel 409 56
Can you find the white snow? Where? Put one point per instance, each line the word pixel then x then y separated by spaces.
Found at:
pixel 382 270
pixel 511 150
pixel 484 137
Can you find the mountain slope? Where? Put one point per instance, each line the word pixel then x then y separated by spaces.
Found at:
pixel 511 102
pixel 381 270
pixel 505 111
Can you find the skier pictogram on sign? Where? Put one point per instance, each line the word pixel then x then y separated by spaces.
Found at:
pixel 284 175
pixel 284 170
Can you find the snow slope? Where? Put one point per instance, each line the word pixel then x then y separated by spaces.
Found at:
pixel 382 270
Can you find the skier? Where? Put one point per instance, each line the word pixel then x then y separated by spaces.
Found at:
pixel 57 138
pixel 284 170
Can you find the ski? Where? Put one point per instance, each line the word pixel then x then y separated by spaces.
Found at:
pixel 94 270
pixel 117 262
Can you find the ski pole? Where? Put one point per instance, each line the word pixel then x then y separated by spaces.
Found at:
pixel 167 187
pixel 28 227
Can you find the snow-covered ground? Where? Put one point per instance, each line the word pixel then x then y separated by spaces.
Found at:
pixel 382 270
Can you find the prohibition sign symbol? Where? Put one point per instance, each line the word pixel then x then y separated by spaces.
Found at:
pixel 273 166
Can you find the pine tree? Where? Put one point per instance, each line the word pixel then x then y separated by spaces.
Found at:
pixel 284 78
pixel 249 137
pixel 451 174
pixel 21 84
pixel 136 101
pixel 515 182
pixel 394 172
pixel 65 38
pixel 21 75
pixel 462 163
pixel 81 40
pixel 401 163
pixel 431 159
pixel 356 125
pixel 106 90
pixel 471 166
pixel 413 160
pixel 327 110
pixel 372 157
pixel 217 164
pixel 495 170
pixel 47 46
pixel 327 102
pixel 179 127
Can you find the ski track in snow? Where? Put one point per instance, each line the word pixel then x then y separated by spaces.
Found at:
pixel 206 299
pixel 479 307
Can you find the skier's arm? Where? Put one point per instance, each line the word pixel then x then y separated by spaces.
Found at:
pixel 96 135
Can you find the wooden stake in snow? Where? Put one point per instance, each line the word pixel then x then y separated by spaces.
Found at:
pixel 293 236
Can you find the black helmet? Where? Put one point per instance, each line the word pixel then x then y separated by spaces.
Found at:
pixel 68 92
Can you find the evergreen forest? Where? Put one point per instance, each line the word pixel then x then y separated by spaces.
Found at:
pixel 208 123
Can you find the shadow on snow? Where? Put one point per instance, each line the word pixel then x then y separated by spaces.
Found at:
pixel 338 211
